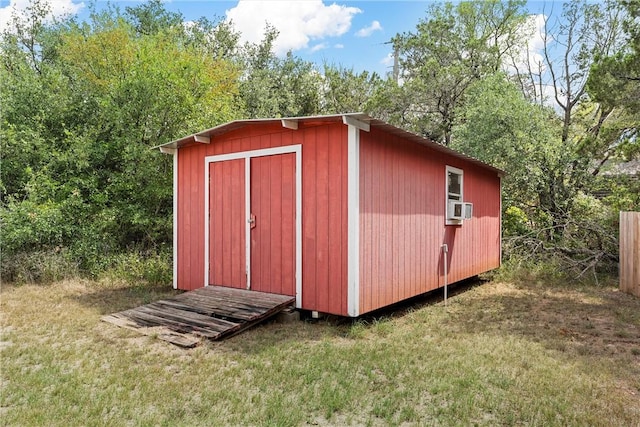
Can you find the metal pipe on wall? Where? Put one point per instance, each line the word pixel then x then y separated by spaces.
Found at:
pixel 445 250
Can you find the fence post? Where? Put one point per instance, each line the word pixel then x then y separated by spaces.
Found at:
pixel 630 252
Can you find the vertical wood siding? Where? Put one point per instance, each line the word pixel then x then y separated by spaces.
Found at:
pixel 324 219
pixel 191 217
pixel 324 207
pixel 402 221
pixel 402 208
pixel 273 192
pixel 630 252
pixel 227 255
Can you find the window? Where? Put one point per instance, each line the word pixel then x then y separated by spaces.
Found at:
pixel 454 196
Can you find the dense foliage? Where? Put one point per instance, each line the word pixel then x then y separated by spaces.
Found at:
pixel 83 103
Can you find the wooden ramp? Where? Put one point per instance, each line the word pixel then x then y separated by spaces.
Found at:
pixel 212 312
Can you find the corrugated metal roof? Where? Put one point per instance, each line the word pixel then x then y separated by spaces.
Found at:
pixel 375 123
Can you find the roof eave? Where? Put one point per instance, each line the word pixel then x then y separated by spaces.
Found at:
pixel 287 122
pixel 360 120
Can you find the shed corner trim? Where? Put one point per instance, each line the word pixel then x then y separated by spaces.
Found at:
pixel 353 219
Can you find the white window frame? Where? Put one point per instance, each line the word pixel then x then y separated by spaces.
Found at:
pixel 460 172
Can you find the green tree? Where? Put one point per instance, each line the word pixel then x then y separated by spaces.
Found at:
pixel 277 87
pixel 82 107
pixel 574 41
pixel 545 217
pixel 499 125
pixel 614 82
pixel 451 48
pixel 152 18
pixel 345 91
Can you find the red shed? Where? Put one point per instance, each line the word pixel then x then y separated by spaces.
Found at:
pixel 344 212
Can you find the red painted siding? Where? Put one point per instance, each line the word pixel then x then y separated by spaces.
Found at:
pixel 324 206
pixel 191 218
pixel 273 257
pixel 324 219
pixel 402 209
pixel 402 221
pixel 227 254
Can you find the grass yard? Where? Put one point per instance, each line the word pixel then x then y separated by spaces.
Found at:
pixel 500 354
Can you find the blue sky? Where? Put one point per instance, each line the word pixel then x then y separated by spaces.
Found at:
pixel 351 33
pixel 358 39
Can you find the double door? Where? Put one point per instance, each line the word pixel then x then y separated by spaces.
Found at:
pixel 252 222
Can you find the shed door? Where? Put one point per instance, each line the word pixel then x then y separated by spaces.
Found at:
pixel 267 260
pixel 273 204
pixel 227 226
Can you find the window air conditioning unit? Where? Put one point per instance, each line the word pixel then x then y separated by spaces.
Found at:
pixel 456 210
pixel 460 210
pixel 468 210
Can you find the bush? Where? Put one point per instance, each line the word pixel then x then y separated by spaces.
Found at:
pixel 514 221
pixel 38 267
pixel 582 246
pixel 137 268
pixel 150 268
pixel 548 272
pixel 32 227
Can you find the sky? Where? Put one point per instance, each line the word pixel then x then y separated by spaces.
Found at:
pixel 353 34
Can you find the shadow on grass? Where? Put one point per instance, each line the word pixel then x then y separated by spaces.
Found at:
pixel 271 333
pixel 421 301
pixel 108 300
pixel 598 322
pixel 585 321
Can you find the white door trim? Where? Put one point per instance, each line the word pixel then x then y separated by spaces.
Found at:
pixel 247 216
pixel 247 155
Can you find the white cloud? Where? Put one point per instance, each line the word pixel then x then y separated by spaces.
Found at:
pixel 529 54
pixel 339 46
pixel 367 31
pixel 58 9
pixel 387 60
pixel 319 46
pixel 297 21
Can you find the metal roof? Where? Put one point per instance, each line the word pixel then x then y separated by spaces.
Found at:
pixel 317 120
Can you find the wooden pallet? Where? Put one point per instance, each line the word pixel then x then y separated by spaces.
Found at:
pixel 213 312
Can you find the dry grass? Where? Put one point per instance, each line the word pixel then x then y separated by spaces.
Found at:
pixel 501 354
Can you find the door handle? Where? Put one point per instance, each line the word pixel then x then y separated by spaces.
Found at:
pixel 252 221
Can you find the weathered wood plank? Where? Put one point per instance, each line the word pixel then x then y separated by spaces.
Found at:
pixel 213 312
pixel 235 301
pixel 187 318
pixel 219 312
pixel 630 252
pixel 230 309
pixel 226 302
pixel 182 340
pixel 241 294
pixel 142 316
